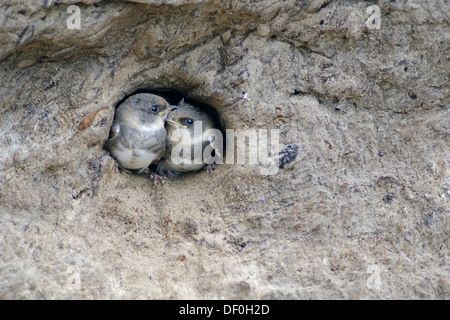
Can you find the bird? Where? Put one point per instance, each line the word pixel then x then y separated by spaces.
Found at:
pixel 190 132
pixel 138 136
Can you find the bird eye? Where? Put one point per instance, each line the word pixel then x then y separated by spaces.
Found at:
pixel 154 108
pixel 189 121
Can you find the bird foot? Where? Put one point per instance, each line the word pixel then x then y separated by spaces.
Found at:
pixel 156 177
pixel 210 169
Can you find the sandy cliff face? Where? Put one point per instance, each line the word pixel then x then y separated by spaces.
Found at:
pixel 361 211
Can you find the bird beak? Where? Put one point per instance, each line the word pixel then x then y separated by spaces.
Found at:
pixel 175 123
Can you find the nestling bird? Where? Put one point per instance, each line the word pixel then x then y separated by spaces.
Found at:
pixel 138 137
pixel 194 141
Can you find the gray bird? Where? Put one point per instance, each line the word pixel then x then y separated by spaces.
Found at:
pixel 192 136
pixel 138 137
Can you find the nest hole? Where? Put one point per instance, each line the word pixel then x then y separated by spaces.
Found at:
pixel 173 97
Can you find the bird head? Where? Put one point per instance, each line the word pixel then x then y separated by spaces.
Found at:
pixel 149 107
pixel 185 115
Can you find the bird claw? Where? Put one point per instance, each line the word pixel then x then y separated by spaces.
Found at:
pixel 156 177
